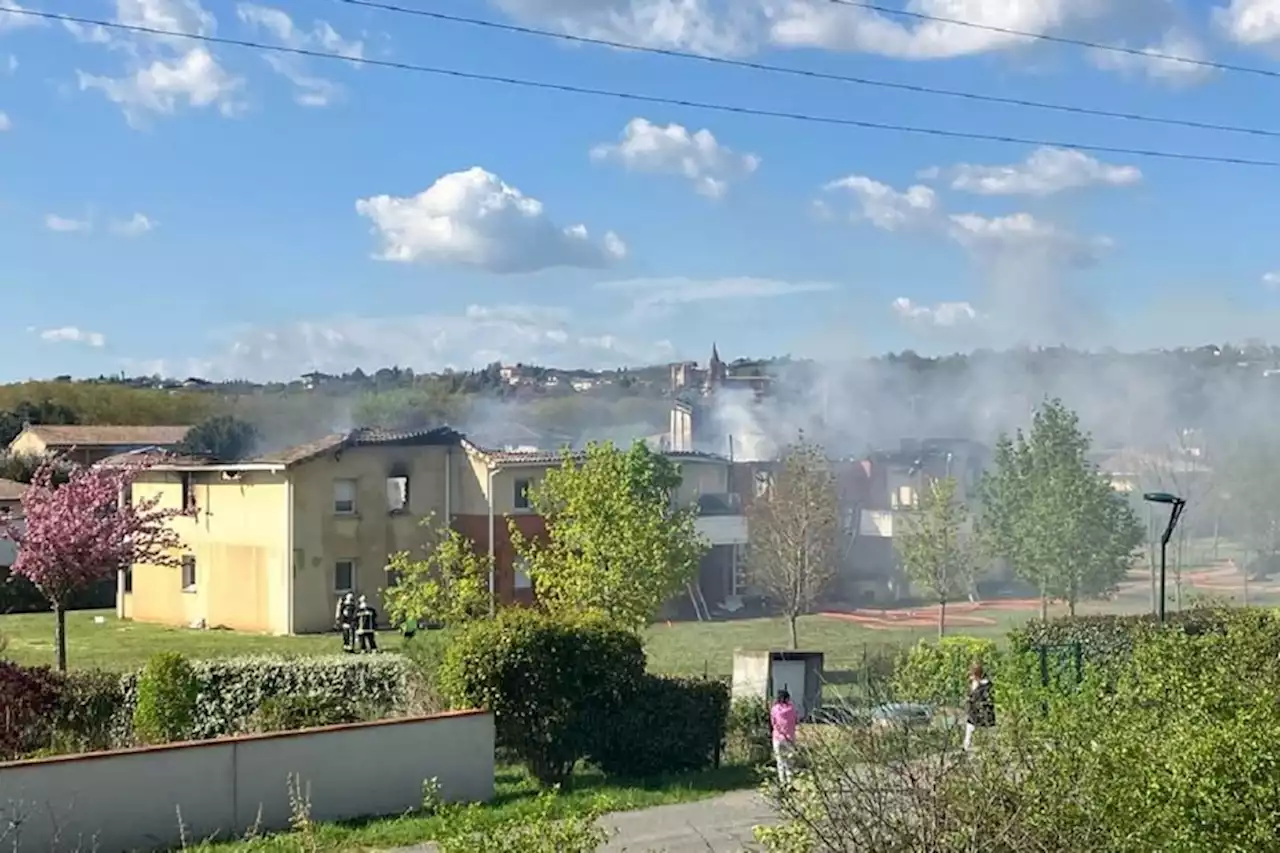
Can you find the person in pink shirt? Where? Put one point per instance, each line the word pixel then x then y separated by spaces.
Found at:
pixel 782 717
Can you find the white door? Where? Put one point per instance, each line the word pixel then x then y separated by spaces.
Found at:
pixel 788 675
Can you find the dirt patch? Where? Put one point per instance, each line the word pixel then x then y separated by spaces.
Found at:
pixel 961 615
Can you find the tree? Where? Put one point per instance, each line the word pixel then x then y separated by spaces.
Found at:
pixel 1247 480
pixel 933 546
pixel 1053 516
pixel 222 437
pixel 13 420
pixel 794 530
pixel 81 533
pixel 448 586
pixel 617 546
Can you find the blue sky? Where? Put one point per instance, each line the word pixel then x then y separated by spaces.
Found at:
pixel 167 205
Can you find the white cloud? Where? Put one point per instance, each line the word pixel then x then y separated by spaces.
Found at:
pixel 1045 172
pixel 312 91
pixel 472 218
pixel 5 122
pixel 165 72
pixel 477 336
pixel 1174 42
pixel 667 292
pixel 134 226
pixel 1022 237
pixel 1252 23
pixel 886 208
pixel 673 149
pixel 702 26
pixel 17 22
pixel 1271 279
pixel 71 334
pixel 942 314
pixel 67 225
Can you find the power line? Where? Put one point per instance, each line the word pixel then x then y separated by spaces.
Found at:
pixel 801 72
pixel 1074 42
pixel 647 99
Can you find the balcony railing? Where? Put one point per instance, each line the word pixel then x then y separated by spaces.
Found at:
pixel 721 503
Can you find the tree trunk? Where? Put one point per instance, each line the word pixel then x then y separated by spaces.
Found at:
pixel 795 637
pixel 1071 606
pixel 942 617
pixel 1044 602
pixel 60 635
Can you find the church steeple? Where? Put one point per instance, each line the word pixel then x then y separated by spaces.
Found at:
pixel 716 370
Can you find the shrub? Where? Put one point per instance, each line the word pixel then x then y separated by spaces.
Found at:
pixel 167 695
pixel 233 689
pixel 89 714
pixel 1105 635
pixel 550 828
pixel 667 725
pixel 293 712
pixel 28 697
pixel 549 682
pixel 748 735
pixel 938 672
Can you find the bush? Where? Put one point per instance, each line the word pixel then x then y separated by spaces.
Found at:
pixel 233 689
pixel 748 733
pixel 1103 636
pixel 19 595
pixel 293 712
pixel 938 673
pixel 28 698
pixel 667 725
pixel 549 682
pixel 89 715
pixel 167 695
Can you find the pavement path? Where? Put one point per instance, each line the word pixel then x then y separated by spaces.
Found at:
pixel 723 824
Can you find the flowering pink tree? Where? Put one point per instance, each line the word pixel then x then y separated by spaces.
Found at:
pixel 82 532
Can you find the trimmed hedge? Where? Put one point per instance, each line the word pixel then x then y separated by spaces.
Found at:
pixel 232 690
pixel 19 595
pixel 667 725
pixel 938 673
pixel 551 683
pixel 28 698
pixel 1104 636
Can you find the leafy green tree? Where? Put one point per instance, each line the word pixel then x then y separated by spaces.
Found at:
pixel 221 437
pixel 46 411
pixel 794 530
pixel 617 546
pixel 1248 481
pixel 934 547
pixel 448 586
pixel 1053 516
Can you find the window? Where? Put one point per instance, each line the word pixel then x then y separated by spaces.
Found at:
pixel 904 497
pixel 188 573
pixel 344 497
pixel 398 491
pixel 763 481
pixel 188 491
pixel 522 579
pixel 522 494
pixel 344 576
pixel 128 580
pixel 393 578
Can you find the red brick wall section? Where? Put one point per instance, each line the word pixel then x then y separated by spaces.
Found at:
pixel 476 528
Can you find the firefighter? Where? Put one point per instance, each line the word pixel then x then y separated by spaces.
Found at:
pixel 366 625
pixel 344 618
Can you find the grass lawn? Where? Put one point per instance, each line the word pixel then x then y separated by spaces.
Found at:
pixel 515 800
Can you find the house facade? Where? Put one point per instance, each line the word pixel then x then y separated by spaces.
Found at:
pixel 270 544
pixel 87 445
pixel 10 511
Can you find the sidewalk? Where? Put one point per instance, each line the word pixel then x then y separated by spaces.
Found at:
pixel 720 825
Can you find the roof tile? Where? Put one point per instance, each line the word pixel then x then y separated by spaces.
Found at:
pixel 107 436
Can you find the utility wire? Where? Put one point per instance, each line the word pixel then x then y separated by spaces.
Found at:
pixel 1074 42
pixel 647 99
pixel 801 72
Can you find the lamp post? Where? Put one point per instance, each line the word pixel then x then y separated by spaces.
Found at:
pixel 1176 505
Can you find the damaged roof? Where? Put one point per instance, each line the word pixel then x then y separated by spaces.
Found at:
pixel 364 437
pixel 108 436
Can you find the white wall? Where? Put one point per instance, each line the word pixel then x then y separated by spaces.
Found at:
pixel 112 802
pixel 722 529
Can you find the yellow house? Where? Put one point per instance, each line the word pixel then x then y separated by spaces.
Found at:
pixel 274 541
pixel 89 444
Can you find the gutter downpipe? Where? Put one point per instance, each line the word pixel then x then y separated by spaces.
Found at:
pixel 493 572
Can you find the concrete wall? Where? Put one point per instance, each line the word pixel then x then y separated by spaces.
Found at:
pixel 368 536
pixel 131 800
pixel 238 538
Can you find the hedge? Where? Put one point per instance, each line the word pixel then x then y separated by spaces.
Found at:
pixel 551 683
pixel 667 725
pixel 19 595
pixel 28 697
pixel 1106 635
pixel 938 673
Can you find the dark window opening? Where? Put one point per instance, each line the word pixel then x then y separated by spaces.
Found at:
pixel 398 489
pixel 522 494
pixel 344 576
pixel 128 580
pixel 189 573
pixel 188 491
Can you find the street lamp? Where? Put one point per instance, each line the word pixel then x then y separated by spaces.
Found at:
pixel 1177 504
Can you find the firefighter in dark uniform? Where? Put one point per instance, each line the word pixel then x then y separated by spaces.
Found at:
pixel 344 619
pixel 366 625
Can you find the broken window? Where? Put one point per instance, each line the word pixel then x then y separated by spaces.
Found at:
pixel 764 480
pixel 398 489
pixel 344 497
pixel 522 494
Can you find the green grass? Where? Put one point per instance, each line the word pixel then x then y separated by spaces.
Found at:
pixel 515 800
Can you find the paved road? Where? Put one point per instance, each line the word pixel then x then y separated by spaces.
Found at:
pixel 720 825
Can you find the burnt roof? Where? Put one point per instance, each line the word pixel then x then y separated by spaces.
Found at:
pixel 364 437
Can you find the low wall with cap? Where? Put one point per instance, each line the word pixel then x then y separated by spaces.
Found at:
pixel 162 797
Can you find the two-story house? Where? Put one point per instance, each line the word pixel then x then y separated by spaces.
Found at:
pixel 87 445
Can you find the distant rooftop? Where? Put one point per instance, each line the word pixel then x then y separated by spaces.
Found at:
pixel 108 436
